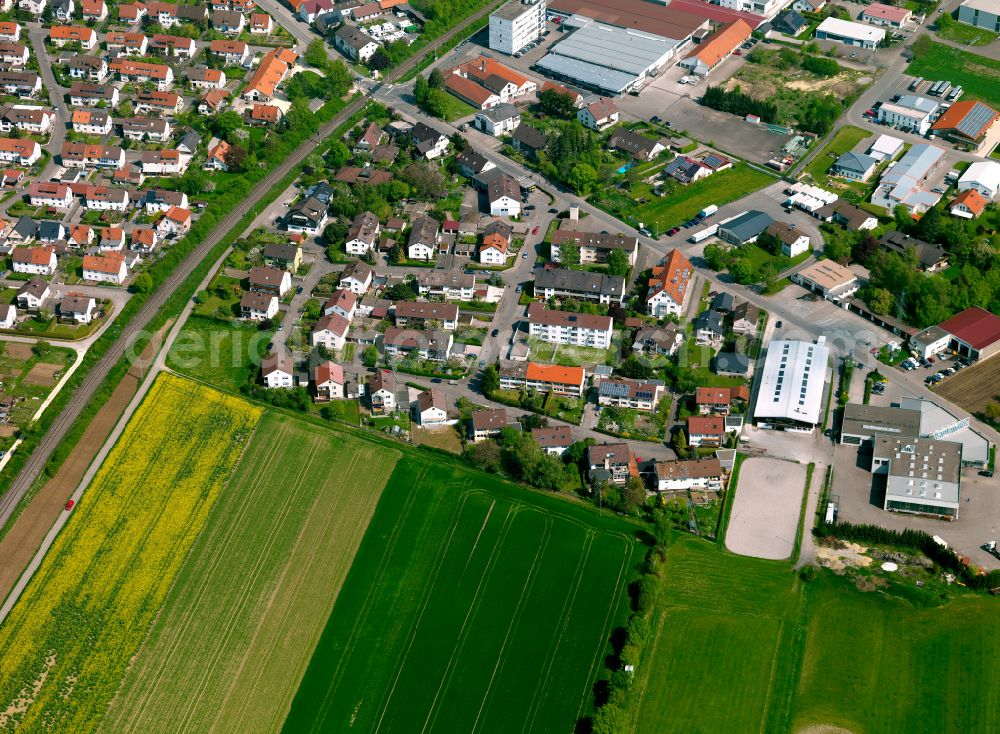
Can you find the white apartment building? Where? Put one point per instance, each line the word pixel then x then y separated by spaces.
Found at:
pixel 564 327
pixel 516 24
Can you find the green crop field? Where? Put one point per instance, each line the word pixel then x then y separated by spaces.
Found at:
pixel 221 353
pixel 790 655
pixel 470 607
pixel 978 75
pixel 237 630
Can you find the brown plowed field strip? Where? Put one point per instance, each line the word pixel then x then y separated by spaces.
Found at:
pixel 974 387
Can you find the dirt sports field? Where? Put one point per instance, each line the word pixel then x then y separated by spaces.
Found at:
pixel 974 387
pixel 18 545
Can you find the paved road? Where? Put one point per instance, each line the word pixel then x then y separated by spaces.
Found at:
pixel 37 36
pixel 136 328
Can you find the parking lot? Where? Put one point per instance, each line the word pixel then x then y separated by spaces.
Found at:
pixel 862 493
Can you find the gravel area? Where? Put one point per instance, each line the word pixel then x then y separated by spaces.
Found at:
pixel 766 508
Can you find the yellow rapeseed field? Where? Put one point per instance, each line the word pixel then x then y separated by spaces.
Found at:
pixel 67 643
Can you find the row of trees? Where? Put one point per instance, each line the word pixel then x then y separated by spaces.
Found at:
pixel 739 103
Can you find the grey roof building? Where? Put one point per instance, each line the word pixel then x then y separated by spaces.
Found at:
pixel 923 476
pixel 744 228
pixel 861 423
pixel 855 166
pixel 559 282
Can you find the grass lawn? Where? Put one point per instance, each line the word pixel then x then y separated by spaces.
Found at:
pixel 844 140
pixel 456 108
pixel 683 202
pixel 967 34
pixel 568 355
pixel 977 75
pixel 263 577
pixel 222 353
pixel 501 605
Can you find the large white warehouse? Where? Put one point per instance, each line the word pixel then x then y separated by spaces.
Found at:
pixel 791 392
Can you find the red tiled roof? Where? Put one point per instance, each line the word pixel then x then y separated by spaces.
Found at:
pixel 672 277
pixel 975 326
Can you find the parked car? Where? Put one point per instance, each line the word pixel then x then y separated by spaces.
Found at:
pixel 69 505
pixel 534 231
pixel 495 332
pixel 553 210
pixel 777 324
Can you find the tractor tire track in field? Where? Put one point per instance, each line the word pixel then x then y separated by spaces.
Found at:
pixel 339 523
pixel 429 594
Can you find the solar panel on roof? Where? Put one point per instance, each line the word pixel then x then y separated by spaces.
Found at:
pixel 614 389
pixel 976 119
pixel 714 161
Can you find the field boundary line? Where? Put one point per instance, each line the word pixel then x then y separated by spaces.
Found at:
pixel 429 593
pixel 515 621
pixel 770 679
pixel 390 547
pixel 222 640
pixel 640 690
pixel 199 590
pixel 542 692
pixel 332 519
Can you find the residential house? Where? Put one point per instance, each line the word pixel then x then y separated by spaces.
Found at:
pixel 328 380
pixel 91 122
pixel 34 260
pixel 582 285
pixel 706 430
pixel 362 236
pixel 638 146
pixel 423 239
pixel 529 140
pixel 709 327
pixel 78 308
pixel 273 68
pixel 430 408
pixel 105 198
pixel 215 157
pixel 24 84
pixel 49 231
pixel 261 24
pixel 33 294
pixel 793 241
pixel 46 193
pixel 564 327
pixel 854 166
pixel 354 44
pixel 382 389
pixel 357 278
pixel 496 242
pixel 330 331
pixel 847 215
pixel 283 255
pixel 731 364
pixel 83 155
pixel 228 22
pixel 144 240
pixel 593 247
pixel 500 120
pixel 201 77
pixel 270 280
pixel 928 257
pixel 179 47
pixel 420 313
pixel 504 196
pixel 641 395
pixel 60 35
pixel 87 68
pixel 146 128
pixel 611 462
pixel 575 97
pixel 8 316
pixel 720 400
pixel 599 115
pixel 662 340
pixel 258 306
pixel 432 346
pixel 683 476
pixel 554 440
pixel 429 142
pixel 82 94
pixel 156 201
pixel 232 53
pixel 472 163
pixel 308 216
pixel 569 381
pixel 21 151
pixel 141 72
pixel 108 267
pixel 969 204
pixel 277 371
pixel 343 302
pixel 164 162
pixel 668 290
pixel 487 424
pixel 175 222
pixel 744 318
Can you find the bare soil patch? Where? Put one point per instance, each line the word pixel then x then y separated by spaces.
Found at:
pixel 43 374
pixel 839 556
pixel 17 350
pixel 766 508
pixel 824 729
pixel 22 540
pixel 974 387
pixel 7 430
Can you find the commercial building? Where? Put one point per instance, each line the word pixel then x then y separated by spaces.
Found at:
pixel 790 396
pixel 849 33
pixel 923 476
pixel 854 166
pixel 562 283
pixel 904 183
pixel 911 113
pixel 938 423
pixel 980 13
pixel 744 228
pixel 983 176
pixel 862 423
pixel 966 123
pixel 716 48
pixel 975 333
pixel 828 278
pixel 618 44
pixel 564 327
pixel 516 24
